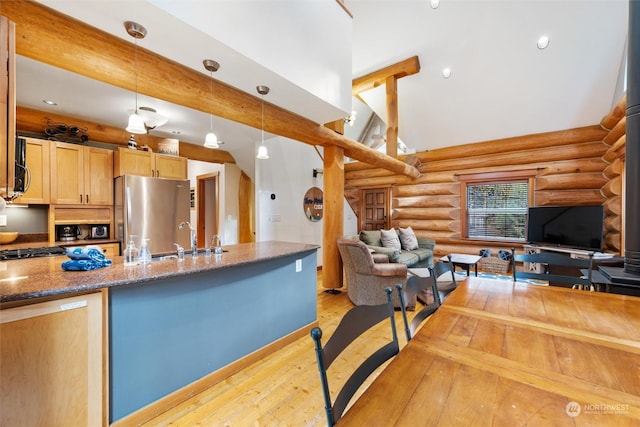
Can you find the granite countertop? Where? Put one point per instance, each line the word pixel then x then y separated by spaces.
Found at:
pixel 30 278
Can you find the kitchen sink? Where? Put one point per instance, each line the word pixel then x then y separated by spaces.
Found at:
pixel 165 257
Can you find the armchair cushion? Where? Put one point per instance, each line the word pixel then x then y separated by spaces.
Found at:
pixel 391 253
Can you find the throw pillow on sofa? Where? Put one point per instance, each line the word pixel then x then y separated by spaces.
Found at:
pixel 371 238
pixel 408 239
pixel 390 239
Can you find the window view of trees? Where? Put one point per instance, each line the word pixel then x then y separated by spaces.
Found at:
pixel 497 210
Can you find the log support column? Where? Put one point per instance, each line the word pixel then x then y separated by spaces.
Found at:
pixel 392 116
pixel 333 181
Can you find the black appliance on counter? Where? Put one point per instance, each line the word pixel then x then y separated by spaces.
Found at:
pixel 98 232
pixel 9 254
pixel 65 233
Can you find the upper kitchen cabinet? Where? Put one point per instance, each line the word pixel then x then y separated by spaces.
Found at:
pixel 38 166
pixel 81 175
pixel 145 163
pixel 7 106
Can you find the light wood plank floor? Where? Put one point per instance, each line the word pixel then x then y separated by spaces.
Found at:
pixel 282 389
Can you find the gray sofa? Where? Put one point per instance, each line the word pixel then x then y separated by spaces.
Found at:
pixel 417 258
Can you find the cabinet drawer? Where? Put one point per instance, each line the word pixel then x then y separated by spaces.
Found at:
pixel 111 249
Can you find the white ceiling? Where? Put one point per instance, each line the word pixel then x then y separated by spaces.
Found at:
pixel 501 85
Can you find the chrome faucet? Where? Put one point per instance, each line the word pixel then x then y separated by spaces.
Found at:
pixel 194 238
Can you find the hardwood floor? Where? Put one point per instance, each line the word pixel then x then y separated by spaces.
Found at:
pixel 282 389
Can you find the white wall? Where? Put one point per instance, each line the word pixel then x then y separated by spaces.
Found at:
pixel 288 174
pixel 307 42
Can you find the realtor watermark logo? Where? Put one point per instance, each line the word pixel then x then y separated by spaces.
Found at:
pixel 573 409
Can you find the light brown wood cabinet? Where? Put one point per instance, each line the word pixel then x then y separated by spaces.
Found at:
pixel 144 163
pixel 38 164
pixel 81 175
pixel 7 105
pixel 54 362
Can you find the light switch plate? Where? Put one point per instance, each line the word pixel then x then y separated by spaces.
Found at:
pixel 3 220
pixel 298 265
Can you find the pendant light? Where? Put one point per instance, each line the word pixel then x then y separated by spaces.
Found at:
pixel 137 31
pixel 211 140
pixel 262 150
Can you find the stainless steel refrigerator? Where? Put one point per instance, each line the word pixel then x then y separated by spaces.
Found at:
pixel 152 208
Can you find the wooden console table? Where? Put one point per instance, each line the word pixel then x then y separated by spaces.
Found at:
pixel 499 353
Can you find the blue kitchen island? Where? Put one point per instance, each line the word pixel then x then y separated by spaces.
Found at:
pixel 170 329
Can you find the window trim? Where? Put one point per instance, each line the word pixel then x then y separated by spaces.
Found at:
pixel 492 178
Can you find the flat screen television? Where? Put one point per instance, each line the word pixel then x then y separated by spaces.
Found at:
pixel 579 227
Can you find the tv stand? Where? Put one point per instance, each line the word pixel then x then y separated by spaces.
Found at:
pixel 574 253
pixel 598 257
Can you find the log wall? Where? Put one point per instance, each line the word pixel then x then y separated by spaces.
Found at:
pixel 580 166
pixel 615 124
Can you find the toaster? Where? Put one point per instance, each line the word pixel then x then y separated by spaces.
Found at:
pixel 99 232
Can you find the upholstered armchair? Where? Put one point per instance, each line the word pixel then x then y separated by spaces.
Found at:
pixel 367 279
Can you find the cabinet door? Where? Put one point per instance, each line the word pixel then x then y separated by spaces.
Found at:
pixel 67 173
pixel 133 162
pixel 53 363
pixel 173 167
pixel 38 166
pixel 98 176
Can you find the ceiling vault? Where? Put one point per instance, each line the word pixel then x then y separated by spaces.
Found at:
pixel 48 36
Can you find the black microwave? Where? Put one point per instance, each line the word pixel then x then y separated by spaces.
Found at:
pixel 21 183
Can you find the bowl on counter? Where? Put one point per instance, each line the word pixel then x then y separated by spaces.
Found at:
pixel 8 237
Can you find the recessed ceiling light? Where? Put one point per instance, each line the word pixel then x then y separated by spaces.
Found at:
pixel 48 102
pixel 543 42
pixel 446 73
pixel 434 4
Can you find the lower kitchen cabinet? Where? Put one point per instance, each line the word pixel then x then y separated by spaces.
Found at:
pixel 53 363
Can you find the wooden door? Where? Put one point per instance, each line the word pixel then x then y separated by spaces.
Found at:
pixel 375 208
pixel 173 167
pixel 38 166
pixel 133 162
pixel 67 174
pixel 98 176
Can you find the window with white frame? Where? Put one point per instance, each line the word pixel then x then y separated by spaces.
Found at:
pixel 495 208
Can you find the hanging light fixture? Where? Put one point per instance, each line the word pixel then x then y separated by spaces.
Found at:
pixel 137 31
pixel 211 140
pixel 262 150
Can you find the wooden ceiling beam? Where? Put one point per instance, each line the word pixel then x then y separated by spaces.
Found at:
pixel 377 78
pixel 48 36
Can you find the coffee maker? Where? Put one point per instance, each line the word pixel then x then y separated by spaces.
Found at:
pixel 65 233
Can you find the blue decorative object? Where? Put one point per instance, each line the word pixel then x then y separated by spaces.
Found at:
pixel 504 255
pixel 85 258
pixel 484 253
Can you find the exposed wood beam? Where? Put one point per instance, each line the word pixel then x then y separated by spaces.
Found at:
pixel 392 116
pixel 378 78
pixel 389 77
pixel 48 36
